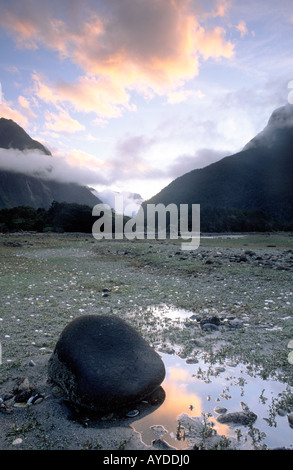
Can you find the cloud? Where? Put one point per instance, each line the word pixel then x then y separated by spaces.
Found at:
pixel 183 95
pixel 242 28
pixel 63 168
pixel 151 47
pixel 26 108
pixel 212 43
pixel 201 158
pixel 62 122
pixel 8 110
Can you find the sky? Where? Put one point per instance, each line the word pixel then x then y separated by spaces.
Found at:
pixel 130 94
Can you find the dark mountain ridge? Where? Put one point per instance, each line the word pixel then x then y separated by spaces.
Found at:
pixel 13 136
pixel 258 179
pixel 19 189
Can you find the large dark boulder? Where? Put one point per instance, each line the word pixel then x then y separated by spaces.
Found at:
pixel 101 363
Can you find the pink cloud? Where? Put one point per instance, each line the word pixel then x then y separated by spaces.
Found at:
pixel 149 46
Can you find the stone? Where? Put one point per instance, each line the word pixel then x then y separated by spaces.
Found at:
pixel 242 417
pixel 209 327
pixel 102 364
pixel 235 323
pixel 220 410
pixel 290 419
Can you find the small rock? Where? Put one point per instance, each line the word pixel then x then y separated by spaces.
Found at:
pixel 214 320
pixel 219 369
pixel 191 360
pixel 290 344
pixel 220 410
pixel 17 441
pixel 290 357
pixel 209 327
pixel 243 417
pixel 290 419
pixel 162 445
pixel 236 323
pixel 132 414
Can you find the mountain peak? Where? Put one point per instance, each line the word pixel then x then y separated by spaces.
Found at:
pixel 13 136
pixel 282 117
pixel 279 128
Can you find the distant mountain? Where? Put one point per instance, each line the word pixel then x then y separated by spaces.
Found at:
pixel 250 190
pixel 19 189
pixel 131 201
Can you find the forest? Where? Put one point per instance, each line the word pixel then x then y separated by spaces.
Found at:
pixel 72 217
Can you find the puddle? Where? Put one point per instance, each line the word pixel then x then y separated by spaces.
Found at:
pixel 198 389
pixel 173 313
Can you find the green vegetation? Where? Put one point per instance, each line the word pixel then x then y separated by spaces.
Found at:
pixel 60 217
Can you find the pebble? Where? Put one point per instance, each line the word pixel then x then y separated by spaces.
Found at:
pixel 159 430
pixel 191 360
pixel 290 419
pixel 219 369
pixel 236 323
pixel 132 414
pixel 290 357
pixel 220 410
pixel 17 441
pixel 209 327
pixel 290 344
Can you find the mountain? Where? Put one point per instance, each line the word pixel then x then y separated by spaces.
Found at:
pixel 131 201
pixel 13 136
pixel 250 190
pixel 19 189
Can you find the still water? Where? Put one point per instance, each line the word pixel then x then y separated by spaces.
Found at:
pixel 198 390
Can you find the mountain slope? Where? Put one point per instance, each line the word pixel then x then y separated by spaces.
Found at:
pixel 259 178
pixel 19 189
pixel 13 136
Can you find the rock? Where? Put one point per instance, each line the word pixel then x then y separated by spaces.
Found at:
pixel 17 441
pixel 191 360
pixel 159 430
pixel 209 327
pixel 290 357
pixel 290 344
pixel 220 410
pixel 290 419
pixel 160 444
pixel 214 320
pixel 236 323
pixel 23 390
pixel 242 417
pixel 102 364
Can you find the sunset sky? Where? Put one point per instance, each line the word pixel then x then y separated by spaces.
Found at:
pixel 130 94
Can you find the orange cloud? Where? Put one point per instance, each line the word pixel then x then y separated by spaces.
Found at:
pixel 212 43
pixel 25 105
pixel 149 46
pixel 242 28
pixel 62 122
pixel 9 112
